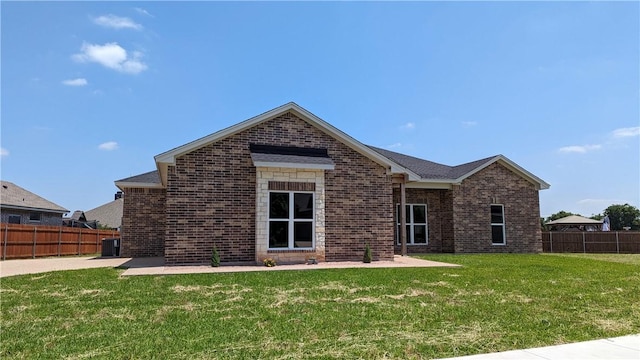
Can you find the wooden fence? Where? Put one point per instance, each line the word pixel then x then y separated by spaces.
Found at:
pixel 617 242
pixel 28 241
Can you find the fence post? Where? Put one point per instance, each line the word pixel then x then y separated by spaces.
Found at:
pixel 80 242
pixel 35 233
pixel 97 239
pixel 4 248
pixel 617 244
pixel 584 246
pixel 59 241
pixel 551 241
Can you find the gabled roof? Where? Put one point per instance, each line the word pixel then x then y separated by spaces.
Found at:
pixel 168 158
pixel 430 171
pixel 109 214
pixel 149 179
pixel 13 196
pixel 574 220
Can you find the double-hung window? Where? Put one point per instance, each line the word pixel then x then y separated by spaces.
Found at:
pixel 291 220
pixel 416 229
pixel 497 225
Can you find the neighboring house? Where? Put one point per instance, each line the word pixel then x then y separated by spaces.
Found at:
pixel 575 223
pixel 79 220
pixel 20 206
pixel 288 185
pixel 108 215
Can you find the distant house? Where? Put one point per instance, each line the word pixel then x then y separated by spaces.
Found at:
pixel 108 215
pixel 288 185
pixel 20 206
pixel 575 223
pixel 78 219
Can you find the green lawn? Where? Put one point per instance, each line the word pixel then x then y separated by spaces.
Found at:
pixel 492 303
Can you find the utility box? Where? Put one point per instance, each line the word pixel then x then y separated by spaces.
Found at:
pixel 111 247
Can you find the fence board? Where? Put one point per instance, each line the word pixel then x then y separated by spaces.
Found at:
pixel 620 242
pixel 25 241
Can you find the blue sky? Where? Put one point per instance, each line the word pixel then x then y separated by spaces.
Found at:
pixel 92 91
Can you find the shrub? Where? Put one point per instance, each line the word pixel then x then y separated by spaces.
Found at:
pixel 215 257
pixel 269 262
pixel 367 254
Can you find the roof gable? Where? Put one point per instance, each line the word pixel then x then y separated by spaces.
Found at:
pixel 168 158
pixel 13 196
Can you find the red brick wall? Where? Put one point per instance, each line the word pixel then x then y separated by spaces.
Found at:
pixel 471 208
pixel 143 223
pixel 211 197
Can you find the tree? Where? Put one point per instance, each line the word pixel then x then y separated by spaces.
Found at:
pixel 621 216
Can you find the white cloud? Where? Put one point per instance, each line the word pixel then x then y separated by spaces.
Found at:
pixel 393 146
pixel 75 82
pixel 116 22
pixel 408 126
pixel 469 123
pixel 4 152
pixel 626 132
pixel 143 11
pixel 581 149
pixel 112 56
pixel 108 146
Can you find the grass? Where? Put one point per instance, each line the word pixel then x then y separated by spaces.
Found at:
pixel 492 303
pixel 621 258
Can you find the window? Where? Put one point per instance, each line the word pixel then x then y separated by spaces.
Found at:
pixel 291 220
pixel 497 225
pixel 416 229
pixel 15 219
pixel 35 216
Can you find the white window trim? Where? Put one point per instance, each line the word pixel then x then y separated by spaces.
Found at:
pixel 291 220
pixel 410 240
pixel 502 224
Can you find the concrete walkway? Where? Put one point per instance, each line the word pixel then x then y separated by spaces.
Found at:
pixel 620 348
pixel 155 266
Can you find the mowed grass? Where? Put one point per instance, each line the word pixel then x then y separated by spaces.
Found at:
pixel 492 303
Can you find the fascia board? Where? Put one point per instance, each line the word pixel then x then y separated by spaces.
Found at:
pixel 430 184
pixel 126 184
pixel 28 208
pixel 273 164
pixel 541 184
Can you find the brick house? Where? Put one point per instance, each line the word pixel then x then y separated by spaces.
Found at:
pixel 288 185
pixel 21 206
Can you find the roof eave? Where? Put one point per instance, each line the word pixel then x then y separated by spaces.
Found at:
pixel 128 184
pixel 29 208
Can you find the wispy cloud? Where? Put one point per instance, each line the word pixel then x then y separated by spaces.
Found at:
pixel 393 146
pixel 581 149
pixel 626 132
pixel 469 123
pixel 116 22
pixel 4 152
pixel 112 56
pixel 408 126
pixel 143 12
pixel 75 82
pixel 108 146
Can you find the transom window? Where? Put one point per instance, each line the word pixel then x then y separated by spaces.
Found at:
pixel 497 225
pixel 291 221
pixel 416 229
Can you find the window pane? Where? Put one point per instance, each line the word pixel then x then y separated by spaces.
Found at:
pixel 398 214
pixel 408 234
pixel 14 219
pixel 408 213
pixel 419 214
pixel 278 234
pixel 419 234
pixel 278 206
pixel 496 214
pixel 398 234
pixel 302 233
pixel 34 216
pixel 497 234
pixel 303 206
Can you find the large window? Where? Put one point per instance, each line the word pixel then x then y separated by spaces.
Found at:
pixel 15 219
pixel 35 217
pixel 416 229
pixel 291 220
pixel 497 225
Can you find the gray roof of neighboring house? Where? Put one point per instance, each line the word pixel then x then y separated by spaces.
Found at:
pixel 431 170
pixel 150 177
pixel 13 196
pixel 109 214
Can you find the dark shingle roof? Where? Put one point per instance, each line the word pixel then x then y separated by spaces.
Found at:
pixel 151 177
pixel 12 195
pixel 109 214
pixel 432 170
